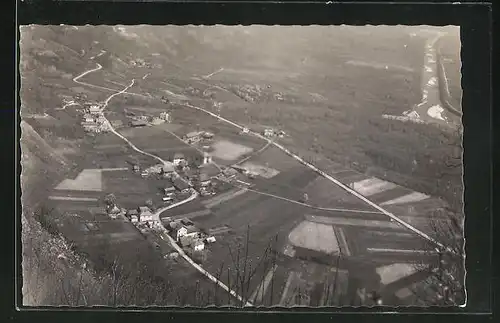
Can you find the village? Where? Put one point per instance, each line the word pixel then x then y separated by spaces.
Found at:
pixel 187 176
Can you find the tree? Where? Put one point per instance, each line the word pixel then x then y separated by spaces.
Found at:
pixel 149 203
pixel 110 199
pixel 447 270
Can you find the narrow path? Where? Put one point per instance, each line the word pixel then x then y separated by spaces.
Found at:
pixel 66 105
pixel 268 194
pixel 254 154
pixel 330 178
pixel 305 204
pixel 99 66
pixel 212 74
pixel 156 215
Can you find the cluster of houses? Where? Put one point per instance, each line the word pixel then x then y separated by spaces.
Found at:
pixel 142 120
pixel 141 215
pixel 196 136
pixel 161 170
pixel 93 119
pixel 272 133
pixel 188 235
pixel 183 231
pixel 139 62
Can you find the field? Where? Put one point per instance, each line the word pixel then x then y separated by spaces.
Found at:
pixel 315 236
pixel 229 151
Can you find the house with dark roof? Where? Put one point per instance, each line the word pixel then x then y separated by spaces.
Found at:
pixel 138 123
pixel 180 185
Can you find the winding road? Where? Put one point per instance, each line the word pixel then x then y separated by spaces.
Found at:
pixel 156 215
pixel 330 178
pixel 194 194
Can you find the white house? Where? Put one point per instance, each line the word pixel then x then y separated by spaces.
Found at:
pixel 145 214
pixel 169 190
pixel 178 158
pixel 88 118
pixel 211 239
pixel 198 245
pixel 178 231
pixel 268 132
pixel 193 136
pixel 94 109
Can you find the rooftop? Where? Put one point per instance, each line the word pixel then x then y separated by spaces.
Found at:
pixel 193 134
pixel 179 184
pixel 138 122
pixel 144 209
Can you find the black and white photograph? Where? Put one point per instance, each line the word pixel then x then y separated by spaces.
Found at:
pixel 242 166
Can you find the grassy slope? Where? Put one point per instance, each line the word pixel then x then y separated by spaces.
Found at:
pixel 50 55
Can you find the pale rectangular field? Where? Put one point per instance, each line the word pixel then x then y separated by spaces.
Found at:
pixel 263 171
pixel 314 236
pixel 227 150
pixel 354 222
pixel 87 180
pixel 394 272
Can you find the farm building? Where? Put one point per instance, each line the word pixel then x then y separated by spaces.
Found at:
pixel 193 136
pixel 192 242
pixel 131 213
pixel 168 168
pixel 145 214
pixel 210 239
pixel 100 119
pixel 229 171
pixel 207 135
pixel 169 189
pixel 138 123
pixel 113 209
pixel 168 199
pixel 157 121
pixel 177 230
pixel 239 169
pixel 178 158
pixel 269 132
pixel 204 179
pixel 181 186
pixel 165 116
pixel 87 117
pixel 94 109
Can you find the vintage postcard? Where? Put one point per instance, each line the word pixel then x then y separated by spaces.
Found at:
pixel 245 166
